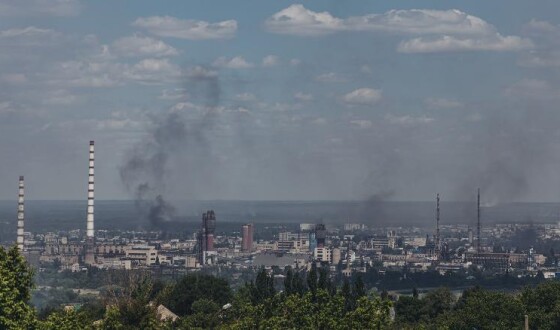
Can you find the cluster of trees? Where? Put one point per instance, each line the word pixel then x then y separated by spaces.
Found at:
pixel 403 279
pixel 478 308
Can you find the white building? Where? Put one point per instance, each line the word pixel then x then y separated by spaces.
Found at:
pixel 323 254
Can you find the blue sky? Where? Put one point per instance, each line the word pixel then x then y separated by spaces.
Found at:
pixel 281 100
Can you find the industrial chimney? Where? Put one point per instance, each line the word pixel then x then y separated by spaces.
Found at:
pixel 438 243
pixel 90 238
pixel 91 196
pixel 21 215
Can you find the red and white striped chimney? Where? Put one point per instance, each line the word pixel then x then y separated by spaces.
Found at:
pixel 21 215
pixel 91 195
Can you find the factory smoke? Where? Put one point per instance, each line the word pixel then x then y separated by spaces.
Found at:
pixel 506 156
pixel 173 140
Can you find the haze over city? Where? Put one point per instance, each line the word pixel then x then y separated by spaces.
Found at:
pixel 257 100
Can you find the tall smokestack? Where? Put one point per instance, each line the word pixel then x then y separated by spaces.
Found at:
pixel 478 221
pixel 437 228
pixel 90 239
pixel 91 194
pixel 21 215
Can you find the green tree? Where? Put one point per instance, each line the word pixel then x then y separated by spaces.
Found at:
pixel 436 302
pixel 483 309
pixel 66 320
pixel 288 281
pixel 16 281
pixel 347 295
pixel 312 280
pixel 324 282
pixel 543 305
pixel 408 310
pixel 112 319
pixel 358 289
pixel 370 314
pixel 180 296
pixel 206 315
pixel 297 284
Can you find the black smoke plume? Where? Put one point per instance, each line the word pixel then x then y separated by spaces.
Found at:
pixel 173 139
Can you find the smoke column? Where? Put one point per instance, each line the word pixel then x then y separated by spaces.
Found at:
pixel 174 142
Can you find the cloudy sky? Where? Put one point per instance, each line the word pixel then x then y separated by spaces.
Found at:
pixel 280 100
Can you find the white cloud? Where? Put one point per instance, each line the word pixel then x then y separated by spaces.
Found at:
pixel 295 62
pixel 446 43
pixel 319 121
pixel 167 26
pixel 30 36
pixel 330 77
pixel 270 60
pixel 303 97
pixel 363 96
pixel 408 120
pixel 237 62
pixel 421 21
pixel 200 72
pixel 153 71
pixel 366 69
pixel 297 20
pixel 361 123
pixel 39 7
pixel 86 74
pixel 442 103
pixel 533 89
pixel 61 97
pixel 245 97
pixel 103 74
pixel 541 59
pixel 174 94
pixel 142 46
pixel 444 30
pixel 547 50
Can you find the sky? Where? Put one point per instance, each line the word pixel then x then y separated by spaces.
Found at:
pixel 281 100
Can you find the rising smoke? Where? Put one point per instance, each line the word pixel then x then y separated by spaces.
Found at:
pixel 507 153
pixel 154 163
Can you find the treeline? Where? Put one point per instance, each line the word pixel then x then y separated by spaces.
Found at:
pixel 477 308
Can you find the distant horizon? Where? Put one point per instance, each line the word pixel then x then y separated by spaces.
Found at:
pixel 290 201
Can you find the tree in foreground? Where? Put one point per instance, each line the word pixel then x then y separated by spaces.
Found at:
pixel 16 281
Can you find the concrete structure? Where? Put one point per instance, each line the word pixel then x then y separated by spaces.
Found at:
pixel 320 235
pixel 206 236
pixel 306 227
pixel 437 240
pixel 288 236
pixel 323 254
pixel 247 240
pixel 91 192
pixel 21 215
pixel 141 255
pixel 90 236
pixel 354 226
pixel 336 255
